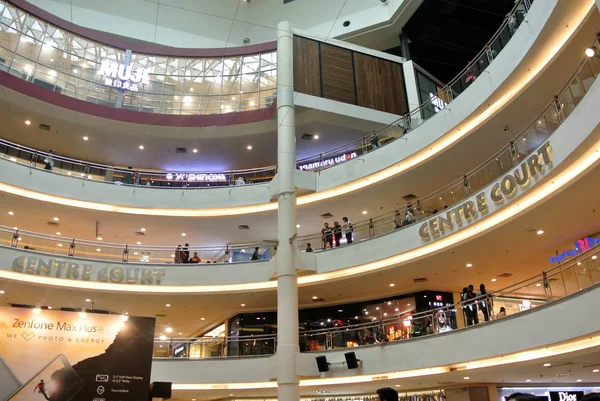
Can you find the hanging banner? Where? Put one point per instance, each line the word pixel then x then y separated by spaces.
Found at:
pixel 68 356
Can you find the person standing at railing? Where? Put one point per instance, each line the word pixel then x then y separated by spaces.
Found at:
pixel 185 253
pixel 327 236
pixel 485 302
pixel 470 306
pixel 374 141
pixel 308 248
pixel 348 229
pixel 397 219
pixel 178 254
pixel 195 258
pixel 255 255
pixel 240 181
pixel 337 233
pixel 48 162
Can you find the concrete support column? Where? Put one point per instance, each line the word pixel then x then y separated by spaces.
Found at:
pixel 287 280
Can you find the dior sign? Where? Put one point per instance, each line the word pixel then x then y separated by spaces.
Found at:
pixel 536 166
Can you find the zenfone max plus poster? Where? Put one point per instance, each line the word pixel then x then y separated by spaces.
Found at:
pixel 65 356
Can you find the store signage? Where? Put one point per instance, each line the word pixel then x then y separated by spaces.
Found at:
pixel 196 177
pixel 581 246
pixel 566 395
pixel 70 270
pixel 64 357
pixel 502 191
pixel 328 162
pixel 123 76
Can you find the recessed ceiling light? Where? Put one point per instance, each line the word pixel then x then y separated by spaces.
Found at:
pixel 242 305
pixel 493 280
pixel 137 253
pixel 397 385
pixel 99 238
pixel 316 136
pixel 297 225
pixel 183 234
pixel 315 297
pixel 538 285
pixel 56 219
pixel 364 212
pixel 98 249
pixel 59 245
pixel 143 229
pixel 139 242
pixel 392 285
pixel 58 233
pixel 162 337
pixel 11 213
pixel 15 228
pixel 469 264
pixel 19 239
pixel 594 257
pixel 593 371
pixel 169 329
pixel 340 310
pixel 88 300
pixel 466 378
pixel 547 364
pixel 2 292
pixel 591 51
pixel 195 150
pixel 249 147
pixel 191 89
pixel 203 318
pixel 85 138
pixel 49 307
pixel 27 122
pixel 141 147
pixel 579 380
pixel 168 305
pixel 75 71
pixel 528 380
pixel 540 232
pixel 180 334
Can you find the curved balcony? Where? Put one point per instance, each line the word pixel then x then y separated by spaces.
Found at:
pixel 571 277
pixel 472 207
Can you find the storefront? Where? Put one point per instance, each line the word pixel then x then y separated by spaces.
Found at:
pixel 548 393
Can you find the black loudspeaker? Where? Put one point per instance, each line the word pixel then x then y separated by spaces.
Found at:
pixel 351 360
pixel 322 363
pixel 160 390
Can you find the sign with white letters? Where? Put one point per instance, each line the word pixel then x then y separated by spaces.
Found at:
pixel 217 177
pixel 123 76
pixel 566 395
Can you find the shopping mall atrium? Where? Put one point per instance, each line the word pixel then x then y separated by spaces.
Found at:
pixel 299 200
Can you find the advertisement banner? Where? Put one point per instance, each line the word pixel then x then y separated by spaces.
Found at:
pixel 65 356
pixel 566 395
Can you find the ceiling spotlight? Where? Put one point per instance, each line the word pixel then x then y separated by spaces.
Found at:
pixel 195 150
pixel 594 257
pixel 139 242
pixel 88 300
pixel 466 378
pixel 11 213
pixel 37 310
pixel 364 212
pixel 297 225
pixel 242 305
pixel 85 138
pixel 540 232
pixel 469 264
pixel 392 285
pixel 249 147
pixel 163 337
pixel 124 316
pixel 315 297
pixel 547 364
pixel 315 136
pixel 143 229
pixel 49 307
pixel 203 318
pixel 579 380
pixel 141 147
pixel 183 234
pixel 60 245
pixel 56 219
pixel 98 250
pixel 595 370
pixel 99 238
pixel 2 292
pixel 591 51
pixel 169 329
pixel 528 380
pixel 168 305
pixel 493 280
pixel 75 71
pixel 58 233
pixel 82 314
pixel 27 122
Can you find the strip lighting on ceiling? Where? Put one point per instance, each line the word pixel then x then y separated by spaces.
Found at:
pixel 415 159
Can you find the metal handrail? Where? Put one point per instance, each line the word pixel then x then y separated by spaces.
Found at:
pixel 542 278
pixel 354 145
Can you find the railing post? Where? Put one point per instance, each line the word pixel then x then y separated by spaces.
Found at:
pixel 72 248
pixel 14 242
pixel 126 254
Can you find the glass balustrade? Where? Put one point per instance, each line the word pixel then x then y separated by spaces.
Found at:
pixel 61 61
pixel 514 153
pixel 134 253
pixel 557 283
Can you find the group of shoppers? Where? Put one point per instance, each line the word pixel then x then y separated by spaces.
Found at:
pixel 182 255
pixel 333 235
pixel 474 302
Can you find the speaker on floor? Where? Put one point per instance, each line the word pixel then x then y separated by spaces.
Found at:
pixel 322 363
pixel 160 390
pixel 351 360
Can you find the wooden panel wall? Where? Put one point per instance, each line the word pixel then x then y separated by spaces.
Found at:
pixel 380 84
pixel 307 70
pixel 337 74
